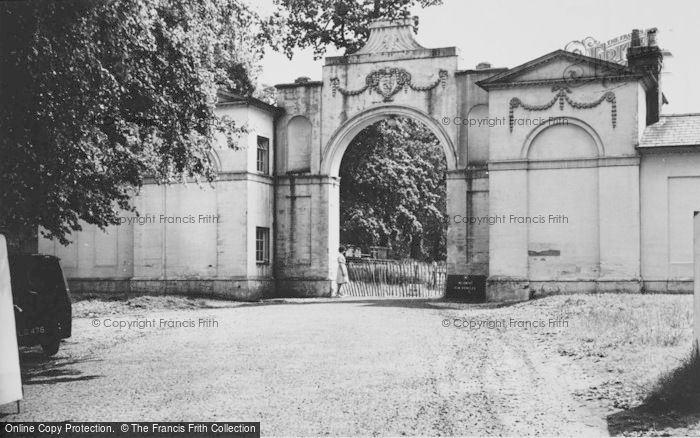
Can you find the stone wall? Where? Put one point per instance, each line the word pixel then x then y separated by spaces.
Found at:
pixel 567 191
pixel 188 238
pixel 670 187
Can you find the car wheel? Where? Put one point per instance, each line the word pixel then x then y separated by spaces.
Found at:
pixel 50 348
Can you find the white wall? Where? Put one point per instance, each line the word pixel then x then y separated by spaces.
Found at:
pixel 259 214
pixel 670 189
pixel 569 249
pixel 258 122
pixel 586 170
pixel 94 253
pixel 187 231
pixel 299 144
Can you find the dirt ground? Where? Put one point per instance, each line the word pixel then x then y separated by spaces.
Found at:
pixel 358 366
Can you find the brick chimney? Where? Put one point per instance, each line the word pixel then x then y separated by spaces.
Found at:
pixel 647 59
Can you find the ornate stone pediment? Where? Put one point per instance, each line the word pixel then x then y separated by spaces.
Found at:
pixel 387 82
pixel 560 67
pixel 391 40
pixel 390 36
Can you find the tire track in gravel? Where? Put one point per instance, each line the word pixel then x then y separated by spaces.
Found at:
pixel 460 405
pixel 532 395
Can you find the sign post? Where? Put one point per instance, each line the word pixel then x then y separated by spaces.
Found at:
pixel 466 287
pixel 10 380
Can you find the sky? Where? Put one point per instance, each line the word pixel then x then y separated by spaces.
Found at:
pixel 509 33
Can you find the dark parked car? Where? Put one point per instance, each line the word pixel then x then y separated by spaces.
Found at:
pixel 42 302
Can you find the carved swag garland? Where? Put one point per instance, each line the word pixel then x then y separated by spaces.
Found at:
pixel 387 82
pixel 562 97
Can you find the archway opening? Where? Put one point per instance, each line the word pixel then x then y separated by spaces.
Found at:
pixel 393 210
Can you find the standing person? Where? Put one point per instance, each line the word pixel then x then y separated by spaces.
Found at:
pixel 342 275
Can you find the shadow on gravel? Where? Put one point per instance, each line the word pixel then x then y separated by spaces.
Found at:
pixel 96 305
pixel 674 403
pixel 92 306
pixel 409 303
pixel 37 369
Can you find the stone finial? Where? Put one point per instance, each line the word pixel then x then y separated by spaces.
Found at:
pixel 651 37
pixel 636 39
pixel 390 36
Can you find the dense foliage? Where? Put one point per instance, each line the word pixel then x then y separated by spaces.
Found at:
pixel 98 95
pixel 343 24
pixel 393 192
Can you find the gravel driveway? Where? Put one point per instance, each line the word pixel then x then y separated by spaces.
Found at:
pixel 312 367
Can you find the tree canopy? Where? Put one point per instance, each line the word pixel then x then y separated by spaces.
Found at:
pixel 393 190
pixel 343 24
pixel 99 95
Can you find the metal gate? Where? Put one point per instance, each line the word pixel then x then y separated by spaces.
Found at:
pixel 395 278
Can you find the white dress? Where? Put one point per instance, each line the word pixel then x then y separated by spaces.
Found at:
pixel 342 275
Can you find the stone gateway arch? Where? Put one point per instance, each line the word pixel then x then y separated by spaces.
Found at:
pixel 392 75
pixel 562 176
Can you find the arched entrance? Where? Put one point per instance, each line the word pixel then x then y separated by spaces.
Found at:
pixel 393 76
pixel 413 276
pixel 393 210
pixel 334 150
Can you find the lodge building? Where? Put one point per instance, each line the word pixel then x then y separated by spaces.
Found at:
pixel 625 176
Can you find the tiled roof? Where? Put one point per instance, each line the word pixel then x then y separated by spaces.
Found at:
pixel 672 130
pixel 225 97
pixel 602 68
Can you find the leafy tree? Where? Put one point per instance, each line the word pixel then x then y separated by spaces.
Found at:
pixel 98 95
pixel 266 93
pixel 343 24
pixel 393 190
